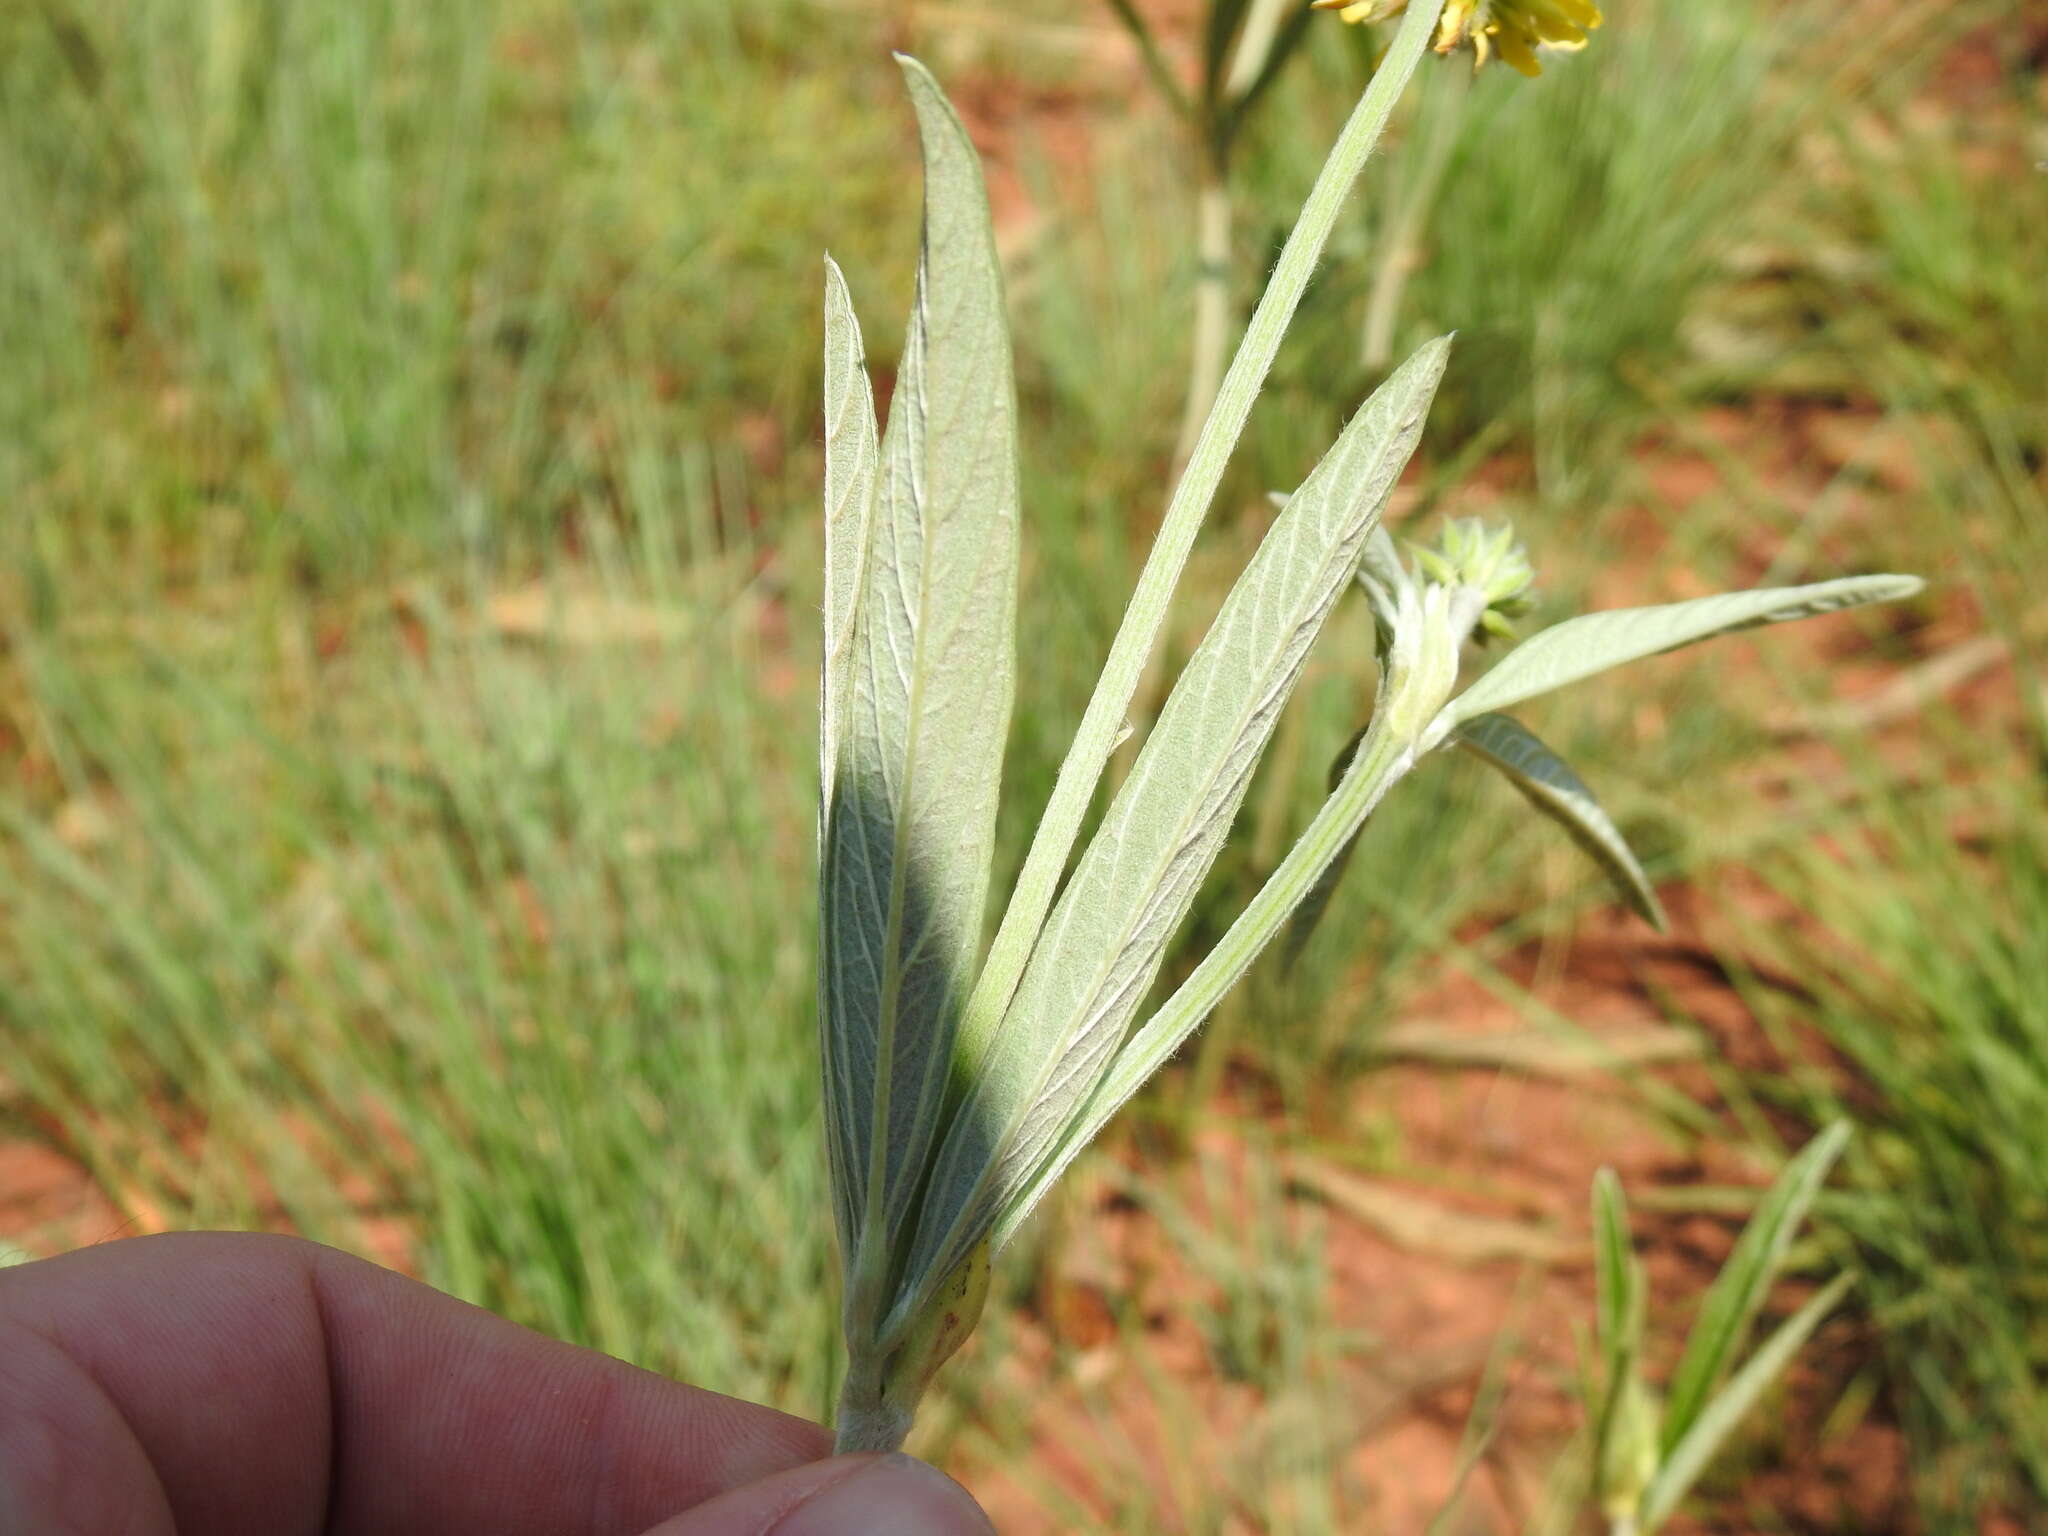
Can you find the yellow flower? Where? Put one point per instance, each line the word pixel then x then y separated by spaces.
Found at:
pixel 1514 29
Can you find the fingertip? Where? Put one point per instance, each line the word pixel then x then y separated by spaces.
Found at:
pixel 868 1495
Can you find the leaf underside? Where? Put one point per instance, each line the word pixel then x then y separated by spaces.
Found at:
pixel 919 710
pixel 851 456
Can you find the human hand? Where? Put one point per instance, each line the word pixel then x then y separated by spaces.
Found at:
pixel 215 1384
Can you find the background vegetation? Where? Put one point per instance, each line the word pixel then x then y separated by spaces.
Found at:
pixel 408 467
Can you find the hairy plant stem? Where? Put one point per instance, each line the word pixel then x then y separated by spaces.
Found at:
pixel 867 1419
pixel 1103 719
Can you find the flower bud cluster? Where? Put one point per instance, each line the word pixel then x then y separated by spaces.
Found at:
pixel 1491 561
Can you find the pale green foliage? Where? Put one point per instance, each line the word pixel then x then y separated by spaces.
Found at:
pixel 1646 1457
pixel 1426 614
pixel 956 1093
pixel 916 712
pixel 1595 642
pixel 1684 1462
pixel 914 720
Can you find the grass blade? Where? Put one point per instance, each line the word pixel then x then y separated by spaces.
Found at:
pixel 1625 1438
pixel 1592 643
pixel 1549 784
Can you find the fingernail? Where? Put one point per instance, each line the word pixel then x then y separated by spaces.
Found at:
pixel 891 1496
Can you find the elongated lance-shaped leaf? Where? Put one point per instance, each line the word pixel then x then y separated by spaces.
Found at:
pixel 1731 1302
pixel 929 684
pixel 1581 647
pixel 1728 1407
pixel 851 453
pixel 1382 759
pixel 1106 939
pixel 1549 784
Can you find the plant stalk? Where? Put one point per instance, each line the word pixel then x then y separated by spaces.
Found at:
pixel 867 1420
pixel 1254 47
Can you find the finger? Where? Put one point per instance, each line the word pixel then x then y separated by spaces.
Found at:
pixel 232 1383
pixel 846 1496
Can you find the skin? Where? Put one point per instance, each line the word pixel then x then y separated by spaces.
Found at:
pixel 245 1385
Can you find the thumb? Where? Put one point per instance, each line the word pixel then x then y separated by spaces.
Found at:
pixel 843 1496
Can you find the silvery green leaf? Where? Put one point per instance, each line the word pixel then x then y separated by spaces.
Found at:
pixel 1578 648
pixel 1106 938
pixel 850 456
pixel 1731 1303
pixel 928 688
pixel 851 452
pixel 1551 786
pixel 1381 576
pixel 1685 1461
pixel 1380 762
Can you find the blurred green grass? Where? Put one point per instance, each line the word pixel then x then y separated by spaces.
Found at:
pixel 408 456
